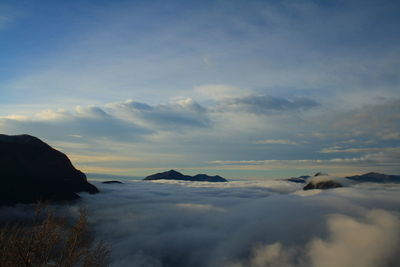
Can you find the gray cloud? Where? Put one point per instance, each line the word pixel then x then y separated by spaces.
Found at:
pixel 262 104
pixel 125 121
pixel 182 113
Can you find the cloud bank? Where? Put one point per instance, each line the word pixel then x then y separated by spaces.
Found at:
pixel 246 223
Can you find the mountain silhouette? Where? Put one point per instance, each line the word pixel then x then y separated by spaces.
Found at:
pixel 174 175
pixel 374 177
pixel 31 170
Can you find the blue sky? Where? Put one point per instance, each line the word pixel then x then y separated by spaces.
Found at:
pixel 240 88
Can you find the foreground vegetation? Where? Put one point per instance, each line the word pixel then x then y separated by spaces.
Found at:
pixel 50 240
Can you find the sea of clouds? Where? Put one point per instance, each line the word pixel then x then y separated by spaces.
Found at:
pixel 245 223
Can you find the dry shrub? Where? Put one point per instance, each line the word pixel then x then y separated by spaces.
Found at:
pixel 48 240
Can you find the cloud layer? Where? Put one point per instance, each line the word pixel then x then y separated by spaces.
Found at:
pixel 250 131
pixel 253 223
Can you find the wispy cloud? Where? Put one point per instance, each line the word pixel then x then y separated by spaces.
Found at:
pixel 387 159
pixel 275 142
pixel 360 150
pixel 82 159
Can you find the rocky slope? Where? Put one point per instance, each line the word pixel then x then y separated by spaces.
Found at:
pixel 328 184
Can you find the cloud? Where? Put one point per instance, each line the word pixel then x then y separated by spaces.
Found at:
pixel 76 135
pixel 218 92
pixel 269 255
pixel 247 223
pixel 378 120
pixel 184 133
pixel 241 223
pixel 199 207
pixel 360 150
pixel 98 57
pixel 263 104
pixel 89 122
pixel 391 136
pixel 289 162
pixel 370 241
pixel 276 142
pixel 100 158
pixel 181 113
pixel 387 158
pixel 124 121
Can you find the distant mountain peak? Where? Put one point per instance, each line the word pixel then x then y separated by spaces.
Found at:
pixel 172 171
pixel 175 175
pixel 375 177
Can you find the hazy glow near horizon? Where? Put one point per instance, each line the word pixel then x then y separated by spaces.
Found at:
pixel 238 88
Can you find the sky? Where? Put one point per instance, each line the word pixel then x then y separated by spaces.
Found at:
pixel 243 89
